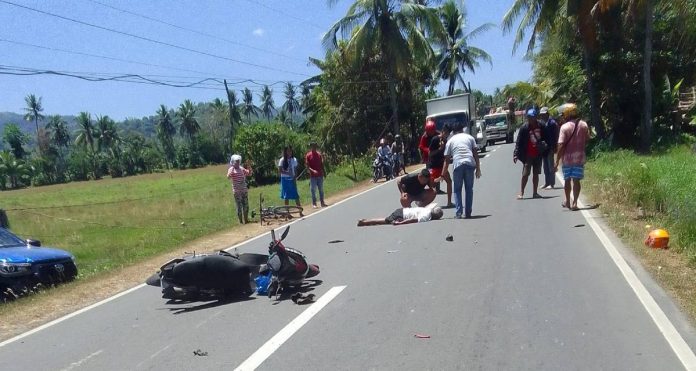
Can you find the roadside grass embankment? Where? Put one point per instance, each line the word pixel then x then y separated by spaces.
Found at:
pixel 112 223
pixel 640 193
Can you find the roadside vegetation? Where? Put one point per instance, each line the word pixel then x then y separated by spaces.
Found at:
pixel 118 222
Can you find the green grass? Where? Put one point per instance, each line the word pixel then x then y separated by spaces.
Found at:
pixel 112 223
pixel 664 185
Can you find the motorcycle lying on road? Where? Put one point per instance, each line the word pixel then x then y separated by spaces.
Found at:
pixel 222 274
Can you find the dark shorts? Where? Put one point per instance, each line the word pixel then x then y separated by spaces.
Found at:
pixel 532 164
pixel 396 216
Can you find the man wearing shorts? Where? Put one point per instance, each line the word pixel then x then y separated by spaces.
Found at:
pixel 406 215
pixel 571 150
pixel 527 151
pixel 436 159
pixel 412 188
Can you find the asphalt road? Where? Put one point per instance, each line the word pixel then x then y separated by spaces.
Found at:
pixel 524 286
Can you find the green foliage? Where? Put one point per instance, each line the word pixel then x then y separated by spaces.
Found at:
pixel 263 144
pixel 16 139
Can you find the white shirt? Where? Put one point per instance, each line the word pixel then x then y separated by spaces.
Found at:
pixel 461 148
pixel 383 151
pixel 291 168
pixel 423 214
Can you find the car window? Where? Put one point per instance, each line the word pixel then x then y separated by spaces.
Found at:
pixel 8 239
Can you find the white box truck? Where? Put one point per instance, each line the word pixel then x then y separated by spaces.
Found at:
pixel 455 109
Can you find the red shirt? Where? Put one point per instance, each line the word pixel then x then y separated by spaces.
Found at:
pixel 534 135
pixel 314 161
pixel 424 146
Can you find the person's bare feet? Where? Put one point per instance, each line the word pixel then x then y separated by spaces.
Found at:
pixel 520 196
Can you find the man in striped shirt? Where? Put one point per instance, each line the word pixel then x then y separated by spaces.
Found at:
pixel 237 175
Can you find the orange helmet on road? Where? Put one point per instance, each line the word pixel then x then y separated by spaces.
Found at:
pixel 658 239
pixel 430 126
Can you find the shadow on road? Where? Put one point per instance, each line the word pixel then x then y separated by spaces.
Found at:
pixel 307 286
pixel 208 305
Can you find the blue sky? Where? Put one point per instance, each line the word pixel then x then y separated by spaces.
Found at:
pixel 273 38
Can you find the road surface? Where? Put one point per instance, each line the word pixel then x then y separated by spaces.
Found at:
pixel 523 286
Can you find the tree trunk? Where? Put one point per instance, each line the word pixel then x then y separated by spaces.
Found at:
pixel 646 125
pixel 450 90
pixel 229 102
pixel 595 118
pixel 38 141
pixel 394 104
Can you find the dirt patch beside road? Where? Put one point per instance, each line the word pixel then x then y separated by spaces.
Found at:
pixel 35 310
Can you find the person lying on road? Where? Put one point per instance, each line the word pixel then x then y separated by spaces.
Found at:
pixel 412 189
pixel 406 215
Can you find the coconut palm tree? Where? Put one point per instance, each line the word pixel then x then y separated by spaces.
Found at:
pixel 17 171
pixel 248 107
pixel 267 105
pixel 188 124
pixel 291 105
pixel 306 101
pixel 58 131
pixel 106 133
pixel 395 28
pixel 33 113
pixel 455 55
pixel 165 131
pixel 85 131
pixel 220 116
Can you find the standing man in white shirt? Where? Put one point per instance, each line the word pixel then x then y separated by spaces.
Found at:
pixel 461 150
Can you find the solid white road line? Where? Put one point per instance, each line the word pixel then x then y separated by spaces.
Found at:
pixel 673 337
pixel 73 314
pixel 256 359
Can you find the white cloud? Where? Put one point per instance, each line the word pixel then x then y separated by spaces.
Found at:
pixel 259 32
pixel 289 48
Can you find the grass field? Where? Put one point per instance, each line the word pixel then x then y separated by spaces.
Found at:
pixel 664 186
pixel 111 223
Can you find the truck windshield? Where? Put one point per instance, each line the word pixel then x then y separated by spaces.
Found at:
pixel 452 119
pixel 495 121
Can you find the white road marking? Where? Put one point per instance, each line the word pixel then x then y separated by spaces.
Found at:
pixel 673 337
pixel 153 356
pixel 256 359
pixel 208 319
pixel 85 309
pixel 83 360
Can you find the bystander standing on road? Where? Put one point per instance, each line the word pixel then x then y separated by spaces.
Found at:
pixel 397 149
pixel 571 150
pixel 437 158
pixel 237 175
pixel 287 166
pixel 551 129
pixel 462 152
pixel 424 144
pixel 315 164
pixel 529 149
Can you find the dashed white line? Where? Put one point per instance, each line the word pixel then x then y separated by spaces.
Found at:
pixel 83 360
pixel 256 359
pixel 673 337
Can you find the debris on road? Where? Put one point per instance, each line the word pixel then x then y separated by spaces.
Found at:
pixel 579 225
pixel 449 238
pixel 301 299
pixel 421 336
pixel 200 353
pixel 392 251
pixel 336 241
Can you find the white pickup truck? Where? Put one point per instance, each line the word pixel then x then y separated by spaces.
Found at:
pixel 456 109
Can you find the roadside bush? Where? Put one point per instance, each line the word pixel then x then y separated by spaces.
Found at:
pixel 263 144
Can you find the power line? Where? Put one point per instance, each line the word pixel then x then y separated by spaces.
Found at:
pixel 304 21
pixel 152 40
pixel 194 31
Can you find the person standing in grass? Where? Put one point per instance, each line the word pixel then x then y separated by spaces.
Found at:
pixel 315 165
pixel 237 175
pixel 571 150
pixel 287 166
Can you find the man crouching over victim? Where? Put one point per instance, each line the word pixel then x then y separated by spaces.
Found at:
pixel 406 215
pixel 412 189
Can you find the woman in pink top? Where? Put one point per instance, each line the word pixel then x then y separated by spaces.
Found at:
pixel 571 149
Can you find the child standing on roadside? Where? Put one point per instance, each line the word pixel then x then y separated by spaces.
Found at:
pixel 237 175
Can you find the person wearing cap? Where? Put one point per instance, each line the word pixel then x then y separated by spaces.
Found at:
pixel 550 127
pixel 237 175
pixel 412 189
pixel 406 215
pixel 315 165
pixel 529 150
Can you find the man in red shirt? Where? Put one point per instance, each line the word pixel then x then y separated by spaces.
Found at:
pixel 424 144
pixel 315 165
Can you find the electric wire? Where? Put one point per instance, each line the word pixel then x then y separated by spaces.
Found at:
pixel 303 21
pixel 151 40
pixel 194 31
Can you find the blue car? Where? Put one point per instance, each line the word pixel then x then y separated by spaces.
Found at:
pixel 25 264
